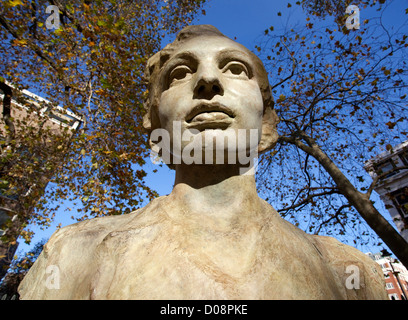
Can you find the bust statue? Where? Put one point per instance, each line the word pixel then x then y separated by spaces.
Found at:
pixel 212 237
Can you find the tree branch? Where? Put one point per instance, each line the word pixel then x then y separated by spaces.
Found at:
pixel 360 201
pixel 334 216
pixel 294 64
pixel 308 198
pixel 39 53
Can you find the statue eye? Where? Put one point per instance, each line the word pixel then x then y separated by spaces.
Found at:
pixel 180 73
pixel 236 68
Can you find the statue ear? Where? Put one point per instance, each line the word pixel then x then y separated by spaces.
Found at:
pixel 147 122
pixel 269 133
pixel 156 149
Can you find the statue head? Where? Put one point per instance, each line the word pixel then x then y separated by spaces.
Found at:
pixel 205 81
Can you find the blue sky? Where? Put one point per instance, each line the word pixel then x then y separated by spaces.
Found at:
pixel 244 21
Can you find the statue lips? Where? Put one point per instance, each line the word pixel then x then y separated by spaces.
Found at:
pixel 210 116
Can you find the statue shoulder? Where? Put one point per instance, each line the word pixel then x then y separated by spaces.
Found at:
pixel 361 276
pixel 84 235
pixel 87 234
pixel 69 258
pixel 66 260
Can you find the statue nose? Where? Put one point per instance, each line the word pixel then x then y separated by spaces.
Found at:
pixel 207 87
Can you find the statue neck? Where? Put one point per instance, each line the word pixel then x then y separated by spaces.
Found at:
pixel 214 190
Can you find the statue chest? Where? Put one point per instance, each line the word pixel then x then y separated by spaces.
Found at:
pixel 146 265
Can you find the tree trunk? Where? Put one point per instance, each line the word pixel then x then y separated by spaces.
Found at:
pixel 360 201
pixel 7 252
pixel 8 241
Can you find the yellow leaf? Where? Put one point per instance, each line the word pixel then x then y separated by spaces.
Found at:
pixel 21 42
pixel 58 31
pixel 83 152
pixel 281 98
pixel 14 3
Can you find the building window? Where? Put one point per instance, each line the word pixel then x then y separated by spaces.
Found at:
pixel 393 296
pixel 389 285
pixel 404 157
pixel 384 167
pixel 63 118
pixel 400 200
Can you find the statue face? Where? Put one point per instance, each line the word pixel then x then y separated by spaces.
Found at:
pixel 209 91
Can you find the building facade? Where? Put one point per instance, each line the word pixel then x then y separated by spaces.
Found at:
pixel 29 125
pixel 396 276
pixel 390 170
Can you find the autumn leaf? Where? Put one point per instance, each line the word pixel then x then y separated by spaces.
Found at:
pixel 14 3
pixel 281 98
pixel 391 125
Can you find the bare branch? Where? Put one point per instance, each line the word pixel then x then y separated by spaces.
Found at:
pixel 334 216
pixel 294 64
pixel 309 198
